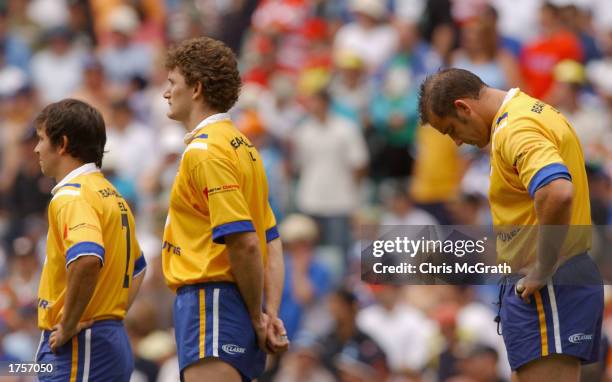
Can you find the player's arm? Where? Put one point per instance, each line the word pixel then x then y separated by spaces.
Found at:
pixel 140 268
pixel 548 181
pixel 82 277
pixel 553 205
pixel 84 259
pixel 274 280
pixel 247 268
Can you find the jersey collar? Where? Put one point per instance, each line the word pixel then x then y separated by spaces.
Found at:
pixel 509 95
pixel 205 122
pixel 84 169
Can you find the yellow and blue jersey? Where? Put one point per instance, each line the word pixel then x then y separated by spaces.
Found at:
pixel 532 144
pixel 88 217
pixel 220 189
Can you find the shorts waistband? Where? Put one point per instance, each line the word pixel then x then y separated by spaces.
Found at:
pixel 97 324
pixel 206 285
pixel 514 277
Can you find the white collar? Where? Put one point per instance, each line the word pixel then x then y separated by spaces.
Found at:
pixel 84 169
pixel 205 122
pixel 511 93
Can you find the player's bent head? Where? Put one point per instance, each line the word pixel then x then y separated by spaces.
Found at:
pixel 81 124
pixel 439 92
pixel 211 63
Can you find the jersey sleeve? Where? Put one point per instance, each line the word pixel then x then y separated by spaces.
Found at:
pixel 271 228
pixel 534 157
pixel 80 230
pixel 217 179
pixel 140 265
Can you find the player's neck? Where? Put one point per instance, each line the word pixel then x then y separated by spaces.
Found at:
pixel 493 100
pixel 197 115
pixel 65 167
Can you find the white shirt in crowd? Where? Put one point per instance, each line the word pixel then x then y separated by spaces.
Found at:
pixel 327 156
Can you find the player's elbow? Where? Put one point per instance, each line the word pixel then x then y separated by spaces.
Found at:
pixel 246 243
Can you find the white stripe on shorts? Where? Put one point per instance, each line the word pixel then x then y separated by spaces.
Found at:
pixel 555 317
pixel 215 344
pixel 87 355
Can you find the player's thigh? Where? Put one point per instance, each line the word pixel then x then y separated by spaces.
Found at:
pixel 211 369
pixel 556 367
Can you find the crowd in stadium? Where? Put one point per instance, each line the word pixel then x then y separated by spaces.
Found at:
pixel 330 99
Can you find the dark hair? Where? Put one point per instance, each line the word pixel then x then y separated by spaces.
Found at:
pixel 346 295
pixel 439 91
pixel 211 63
pixel 81 123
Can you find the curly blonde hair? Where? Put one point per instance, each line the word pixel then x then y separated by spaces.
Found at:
pixel 211 63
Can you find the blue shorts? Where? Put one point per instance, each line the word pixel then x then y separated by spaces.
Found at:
pixel 99 353
pixel 211 320
pixel 564 317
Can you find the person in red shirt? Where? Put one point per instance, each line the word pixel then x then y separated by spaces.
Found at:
pixel 539 57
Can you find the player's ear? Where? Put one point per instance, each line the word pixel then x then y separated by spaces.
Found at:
pixel 198 90
pixel 63 146
pixel 462 106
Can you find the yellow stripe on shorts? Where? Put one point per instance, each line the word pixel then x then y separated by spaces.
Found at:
pixel 75 359
pixel 202 322
pixel 542 318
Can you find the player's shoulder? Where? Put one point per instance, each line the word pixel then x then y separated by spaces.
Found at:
pixel 83 188
pixel 218 142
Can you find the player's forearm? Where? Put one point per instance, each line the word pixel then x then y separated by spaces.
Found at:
pixel 247 269
pixel 553 204
pixel 274 277
pixel 82 277
pixel 136 283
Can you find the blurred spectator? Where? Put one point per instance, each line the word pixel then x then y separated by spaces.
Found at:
pixel 343 306
pixel 361 362
pixel 578 20
pixel 394 117
pixel 481 54
pixel 400 209
pixel 331 157
pixel 278 109
pixel 57 69
pixel 124 57
pixel 477 363
pixel 349 88
pixel 125 131
pixel 17 112
pixel 554 44
pixel 12 78
pixel 307 281
pixel 518 19
pixel 139 323
pixel 303 363
pixel 370 36
pixel 432 185
pixel 404 333
pixel 589 119
pixel 16 52
pixel 30 192
pixel 94 89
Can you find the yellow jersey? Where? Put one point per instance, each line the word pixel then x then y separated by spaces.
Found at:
pixel 532 144
pixel 88 217
pixel 432 183
pixel 220 189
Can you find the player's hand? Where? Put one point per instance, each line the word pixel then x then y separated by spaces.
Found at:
pixel 528 285
pixel 277 341
pixel 260 324
pixel 60 335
